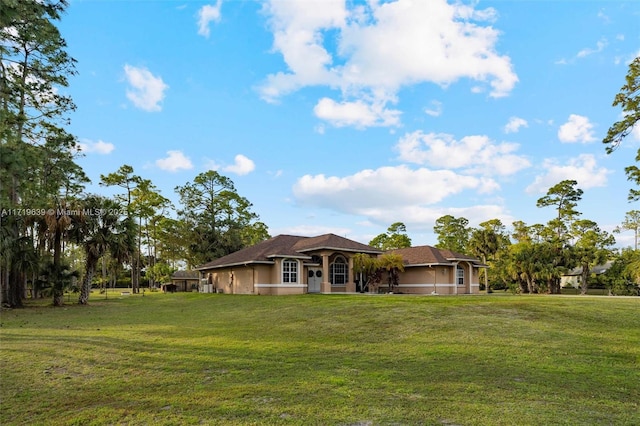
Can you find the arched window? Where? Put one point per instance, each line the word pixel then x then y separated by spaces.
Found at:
pixel 290 271
pixel 460 275
pixel 338 271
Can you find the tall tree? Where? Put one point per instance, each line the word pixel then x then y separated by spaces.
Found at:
pixel 521 232
pixel 96 230
pixel 564 196
pixel 58 220
pixel 486 242
pixel 216 214
pixel 453 233
pixel 34 64
pixel 125 178
pixel 171 235
pixel 149 206
pixel 254 233
pixel 629 99
pixel 592 248
pixel 631 222
pixel 395 238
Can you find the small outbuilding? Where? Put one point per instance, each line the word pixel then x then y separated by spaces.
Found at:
pixel 185 280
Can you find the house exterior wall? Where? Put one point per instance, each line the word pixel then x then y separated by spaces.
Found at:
pixel 266 279
pixel 423 279
pixel 253 279
pixel 269 280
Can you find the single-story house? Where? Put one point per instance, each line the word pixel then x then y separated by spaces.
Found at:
pixel 573 278
pixel 185 280
pixel 288 264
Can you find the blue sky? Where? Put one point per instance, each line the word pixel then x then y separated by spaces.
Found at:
pixel 344 117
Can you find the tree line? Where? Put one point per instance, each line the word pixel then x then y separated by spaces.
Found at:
pixel 534 258
pixel 52 233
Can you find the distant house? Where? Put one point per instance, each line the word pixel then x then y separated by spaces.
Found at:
pixel 573 278
pixel 288 264
pixel 185 280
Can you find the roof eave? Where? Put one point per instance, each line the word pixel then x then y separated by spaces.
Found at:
pixel 226 265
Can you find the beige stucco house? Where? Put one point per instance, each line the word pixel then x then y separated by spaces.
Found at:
pixel 288 264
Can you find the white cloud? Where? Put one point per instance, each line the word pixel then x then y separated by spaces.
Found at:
pixel 385 188
pixel 587 51
pixel 514 125
pixel 146 91
pixel 604 17
pixel 242 166
pixel 358 114
pixel 600 45
pixel 435 110
pixel 582 169
pixel 577 129
pixel 382 47
pixel 98 147
pixel 473 154
pixel 207 14
pixel 174 161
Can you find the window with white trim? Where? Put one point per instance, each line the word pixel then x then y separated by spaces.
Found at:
pixel 290 271
pixel 338 271
pixel 460 275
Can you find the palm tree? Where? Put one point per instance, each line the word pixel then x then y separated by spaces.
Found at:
pixel 95 231
pixel 364 266
pixel 58 221
pixel 393 264
pixel 484 243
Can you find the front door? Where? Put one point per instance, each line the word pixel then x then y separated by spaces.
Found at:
pixel 314 279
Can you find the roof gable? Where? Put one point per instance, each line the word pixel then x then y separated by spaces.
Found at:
pixel 335 242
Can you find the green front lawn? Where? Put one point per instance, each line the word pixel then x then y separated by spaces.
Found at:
pixel 319 359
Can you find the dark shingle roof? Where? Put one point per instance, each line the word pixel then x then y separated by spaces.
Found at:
pixel 332 241
pixel 287 246
pixel 427 255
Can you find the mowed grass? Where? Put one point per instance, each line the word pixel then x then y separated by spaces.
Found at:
pixel 323 360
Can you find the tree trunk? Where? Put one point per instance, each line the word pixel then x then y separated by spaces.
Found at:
pixel 85 288
pixel 584 286
pixel 486 275
pixel 57 285
pixel 104 273
pixel 530 285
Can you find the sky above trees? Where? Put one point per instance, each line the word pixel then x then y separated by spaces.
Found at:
pixel 347 117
